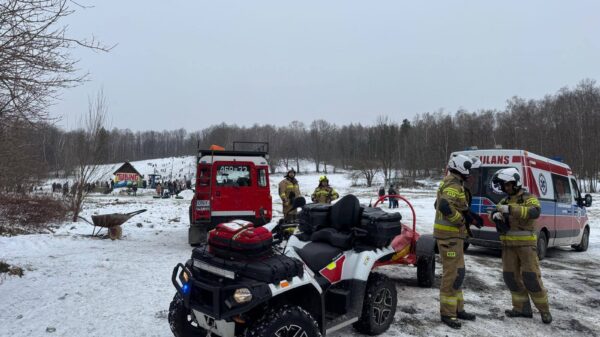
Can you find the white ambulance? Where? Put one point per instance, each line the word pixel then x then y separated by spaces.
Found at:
pixel 563 221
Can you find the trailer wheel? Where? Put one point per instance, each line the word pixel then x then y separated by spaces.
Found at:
pixel 425 271
pixel 285 321
pixel 585 241
pixel 542 245
pixel 180 320
pixel 379 306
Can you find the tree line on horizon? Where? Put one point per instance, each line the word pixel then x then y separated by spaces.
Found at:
pixel 559 125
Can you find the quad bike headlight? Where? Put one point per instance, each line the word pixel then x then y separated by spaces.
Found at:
pixel 242 295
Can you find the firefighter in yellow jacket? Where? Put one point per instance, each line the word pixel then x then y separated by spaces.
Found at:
pixel 452 219
pixel 515 221
pixel 288 191
pixel 324 194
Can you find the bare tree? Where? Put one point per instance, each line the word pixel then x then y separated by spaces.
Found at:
pixel 34 57
pixel 35 64
pixel 87 151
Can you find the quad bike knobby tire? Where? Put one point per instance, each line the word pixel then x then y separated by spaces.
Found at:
pixel 179 320
pixel 379 306
pixel 285 321
pixel 426 271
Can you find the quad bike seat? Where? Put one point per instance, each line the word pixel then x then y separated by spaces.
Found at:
pixel 317 255
pixel 345 215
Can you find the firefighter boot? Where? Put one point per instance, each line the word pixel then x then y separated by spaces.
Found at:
pixel 465 316
pixel 546 318
pixel 515 313
pixel 451 322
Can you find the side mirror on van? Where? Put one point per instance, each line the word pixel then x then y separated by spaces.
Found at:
pixel 587 200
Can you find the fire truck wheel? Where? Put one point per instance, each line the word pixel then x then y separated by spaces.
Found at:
pixel 285 321
pixel 379 306
pixel 180 320
pixel 542 245
pixel 585 241
pixel 425 271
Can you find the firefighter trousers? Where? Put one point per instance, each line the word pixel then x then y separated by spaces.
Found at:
pixel 522 275
pixel 289 212
pixel 453 274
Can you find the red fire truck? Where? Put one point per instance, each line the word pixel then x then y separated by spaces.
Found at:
pixel 230 185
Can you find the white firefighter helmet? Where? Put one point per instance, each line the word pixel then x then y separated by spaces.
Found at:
pixel 463 164
pixel 505 175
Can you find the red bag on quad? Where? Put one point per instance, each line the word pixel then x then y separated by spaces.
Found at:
pixel 239 239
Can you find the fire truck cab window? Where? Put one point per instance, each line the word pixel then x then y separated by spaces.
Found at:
pixel 562 190
pixel 262 178
pixel 233 175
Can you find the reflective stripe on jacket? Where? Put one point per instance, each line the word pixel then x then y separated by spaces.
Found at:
pixel 324 195
pixel 524 208
pixel 451 226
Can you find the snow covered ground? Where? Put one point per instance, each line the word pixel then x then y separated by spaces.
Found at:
pixel 75 285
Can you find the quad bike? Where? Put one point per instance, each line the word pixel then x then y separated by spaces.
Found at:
pixel 317 283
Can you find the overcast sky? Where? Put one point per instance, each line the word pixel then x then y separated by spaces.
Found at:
pixel 190 64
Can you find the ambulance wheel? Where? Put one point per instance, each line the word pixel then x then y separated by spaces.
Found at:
pixel 425 271
pixel 585 241
pixel 285 321
pixel 542 245
pixel 180 320
pixel 379 306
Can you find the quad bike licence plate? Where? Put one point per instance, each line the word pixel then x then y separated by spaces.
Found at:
pixel 211 325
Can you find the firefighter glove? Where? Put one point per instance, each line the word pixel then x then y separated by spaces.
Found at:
pixel 468 218
pixel 445 207
pixel 477 220
pixel 504 209
pixel 497 216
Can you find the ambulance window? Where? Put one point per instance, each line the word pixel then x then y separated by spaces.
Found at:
pixel 562 190
pixel 575 188
pixel 262 178
pixel 482 184
pixel 473 182
pixel 233 175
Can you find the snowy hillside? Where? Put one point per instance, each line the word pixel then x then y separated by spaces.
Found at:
pixel 75 285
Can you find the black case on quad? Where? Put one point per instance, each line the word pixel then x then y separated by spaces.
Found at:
pixel 314 217
pixel 270 269
pixel 381 226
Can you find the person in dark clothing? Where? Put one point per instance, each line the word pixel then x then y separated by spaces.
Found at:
pixel 393 202
pixel 381 191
